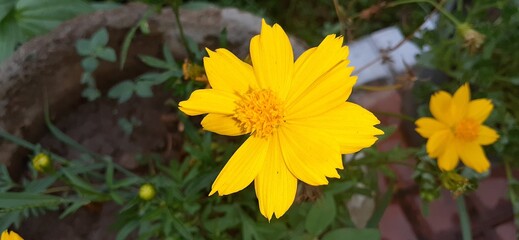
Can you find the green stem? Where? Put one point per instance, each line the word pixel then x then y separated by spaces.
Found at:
pixel 434 4
pixel 466 232
pixel 176 11
pixel 511 193
pixel 21 142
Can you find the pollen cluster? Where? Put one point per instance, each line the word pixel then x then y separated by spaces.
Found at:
pixel 467 130
pixel 259 112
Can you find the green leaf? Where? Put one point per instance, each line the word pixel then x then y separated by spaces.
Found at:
pixel 125 125
pixel 74 207
pixel 91 93
pixel 352 233
pixel 6 182
pixel 143 89
pixel 11 34
pixel 83 47
pixel 122 91
pixel 40 185
pixel 100 38
pixel 166 52
pixel 89 64
pixel 6 6
pixel 126 183
pixel 78 182
pixel 10 201
pixel 179 226
pixel 107 54
pixel 109 173
pixel 321 215
pixel 117 198
pixel 154 62
pixel 86 78
pixel 127 229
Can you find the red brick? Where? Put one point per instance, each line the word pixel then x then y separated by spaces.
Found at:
pixel 491 190
pixel 394 225
pixel 443 213
pixel 506 231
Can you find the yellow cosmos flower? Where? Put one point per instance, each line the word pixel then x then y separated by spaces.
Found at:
pixel 457 130
pixel 295 113
pixel 6 235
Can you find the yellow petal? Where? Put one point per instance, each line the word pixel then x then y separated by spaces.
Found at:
pixel 310 154
pixel 315 62
pixel 440 105
pixel 272 59
pixel 426 127
pixel 487 135
pixel 351 125
pixel 242 168
pixel 460 102
pixel 449 159
pixel 436 144
pixel 275 185
pixel 327 92
pixel 208 101
pixel 222 124
pixel 228 73
pixel 10 236
pixel 479 109
pixel 473 156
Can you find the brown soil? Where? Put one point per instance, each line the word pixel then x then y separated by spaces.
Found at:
pixel 95 126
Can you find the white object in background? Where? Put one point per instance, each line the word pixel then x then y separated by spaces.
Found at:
pixel 369 48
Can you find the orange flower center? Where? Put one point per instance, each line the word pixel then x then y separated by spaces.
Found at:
pixel 467 130
pixel 259 112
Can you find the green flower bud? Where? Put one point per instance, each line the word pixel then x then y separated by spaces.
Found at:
pixel 147 192
pixel 41 162
pixel 473 39
pixel 455 182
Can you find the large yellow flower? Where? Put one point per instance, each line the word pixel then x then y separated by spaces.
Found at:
pixel 6 235
pixel 295 113
pixel 457 130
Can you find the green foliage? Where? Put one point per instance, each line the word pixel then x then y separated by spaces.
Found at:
pixel 21 20
pixel 92 50
pixel 491 69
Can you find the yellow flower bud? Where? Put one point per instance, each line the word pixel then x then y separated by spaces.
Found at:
pixel 147 192
pixel 41 162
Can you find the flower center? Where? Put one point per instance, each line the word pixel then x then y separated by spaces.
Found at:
pixel 467 130
pixel 259 112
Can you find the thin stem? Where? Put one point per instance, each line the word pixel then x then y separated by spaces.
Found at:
pixel 340 15
pixel 511 193
pixel 464 219
pixel 379 88
pixel 176 11
pixel 435 5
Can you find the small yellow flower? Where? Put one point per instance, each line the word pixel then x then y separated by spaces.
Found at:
pixel 296 114
pixel 147 192
pixel 10 235
pixel 457 130
pixel 41 162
